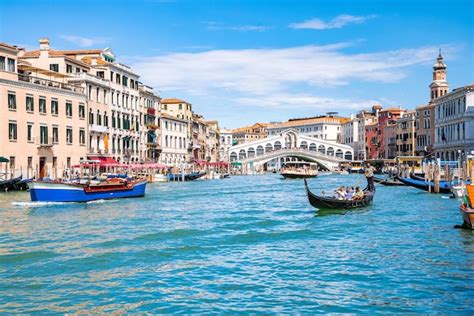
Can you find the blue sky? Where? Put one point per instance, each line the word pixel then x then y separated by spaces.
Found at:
pixel 247 61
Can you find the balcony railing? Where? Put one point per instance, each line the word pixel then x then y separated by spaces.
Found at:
pixel 98 128
pixel 50 83
pixel 44 142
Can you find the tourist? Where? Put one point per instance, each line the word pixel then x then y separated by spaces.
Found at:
pixel 340 193
pixel 349 193
pixel 358 195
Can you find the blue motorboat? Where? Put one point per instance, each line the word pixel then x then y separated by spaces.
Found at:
pixel 444 186
pixel 51 191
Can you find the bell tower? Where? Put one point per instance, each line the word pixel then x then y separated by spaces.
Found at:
pixel 439 85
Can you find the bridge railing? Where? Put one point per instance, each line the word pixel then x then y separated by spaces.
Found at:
pixel 289 151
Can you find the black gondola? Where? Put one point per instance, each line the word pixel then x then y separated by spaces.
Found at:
pixel 6 185
pixel 388 181
pixel 327 202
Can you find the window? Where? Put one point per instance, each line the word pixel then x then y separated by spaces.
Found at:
pixel 113 120
pixel 11 65
pixel 68 109
pixel 68 162
pixel 82 111
pixel 117 78
pixel 30 107
pixel 54 107
pixel 29 132
pixel 11 101
pixel 112 76
pixel 82 136
pixel 12 162
pixel 43 134
pixel 12 131
pixel 55 162
pixel 69 135
pixel 91 117
pixel 54 67
pixel 42 105
pixel 30 162
pixel 69 69
pixel 124 81
pixel 99 118
pixel 55 134
pixel 78 70
pixel 106 119
pixel 2 63
pixel 100 74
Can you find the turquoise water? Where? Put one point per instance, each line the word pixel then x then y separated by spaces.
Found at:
pixel 245 244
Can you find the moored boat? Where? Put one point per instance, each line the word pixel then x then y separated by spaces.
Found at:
pixel 388 181
pixel 444 186
pixel 467 207
pixel 330 202
pixel 51 191
pixel 6 185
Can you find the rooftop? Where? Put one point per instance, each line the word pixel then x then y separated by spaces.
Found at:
pixel 172 101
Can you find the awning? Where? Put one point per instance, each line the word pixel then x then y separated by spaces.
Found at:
pixel 3 159
pixel 104 161
pixel 236 163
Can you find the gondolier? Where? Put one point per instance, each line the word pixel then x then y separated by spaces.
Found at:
pixel 369 174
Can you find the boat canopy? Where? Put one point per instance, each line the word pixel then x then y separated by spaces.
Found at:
pixel 104 161
pixel 3 159
pixel 209 163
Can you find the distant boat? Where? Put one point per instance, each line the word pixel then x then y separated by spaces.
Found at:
pixel 185 176
pixel 330 202
pixel 388 181
pixel 49 191
pixel 299 169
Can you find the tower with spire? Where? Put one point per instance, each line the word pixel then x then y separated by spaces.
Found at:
pixel 439 85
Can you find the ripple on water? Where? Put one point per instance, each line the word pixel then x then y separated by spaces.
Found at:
pixel 240 245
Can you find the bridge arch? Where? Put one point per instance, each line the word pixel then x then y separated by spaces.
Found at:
pixel 322 149
pixel 260 150
pixel 268 148
pixel 277 145
pixel 313 147
pixel 242 154
pixel 330 151
pixel 233 156
pixel 348 155
pixel 304 145
pixel 251 152
pixel 339 153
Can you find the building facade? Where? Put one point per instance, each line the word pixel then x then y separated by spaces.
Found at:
pixel 406 135
pixel 425 129
pixel 454 123
pixel 249 133
pixel 350 133
pixel 174 135
pixel 43 115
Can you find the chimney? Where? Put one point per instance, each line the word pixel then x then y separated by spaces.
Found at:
pixel 44 43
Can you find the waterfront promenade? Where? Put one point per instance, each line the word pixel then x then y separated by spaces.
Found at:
pixel 249 244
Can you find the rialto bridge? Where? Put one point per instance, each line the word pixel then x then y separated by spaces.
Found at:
pixel 290 143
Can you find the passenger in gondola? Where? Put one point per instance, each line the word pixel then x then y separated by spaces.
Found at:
pixel 340 193
pixel 349 193
pixel 358 195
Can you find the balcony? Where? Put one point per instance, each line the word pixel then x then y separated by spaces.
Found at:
pixel 44 142
pixel 90 78
pixel 50 83
pixel 98 128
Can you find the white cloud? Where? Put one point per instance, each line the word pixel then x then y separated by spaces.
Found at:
pixel 335 23
pixel 279 78
pixel 84 41
pixel 215 26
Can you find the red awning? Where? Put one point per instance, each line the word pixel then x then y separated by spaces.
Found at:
pixel 104 161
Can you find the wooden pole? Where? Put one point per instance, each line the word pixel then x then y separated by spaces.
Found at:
pixel 437 175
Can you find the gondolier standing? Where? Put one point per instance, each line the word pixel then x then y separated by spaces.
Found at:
pixel 369 174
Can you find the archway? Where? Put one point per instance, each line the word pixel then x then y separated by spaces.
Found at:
pixel 242 154
pixel 260 150
pixel 322 149
pixel 304 145
pixel 339 153
pixel 233 156
pixel 330 151
pixel 277 145
pixel 312 147
pixel 268 148
pixel 251 152
pixel 348 155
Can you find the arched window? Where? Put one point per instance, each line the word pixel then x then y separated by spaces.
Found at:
pixel 233 156
pixel 277 145
pixel 339 153
pixel 268 148
pixel 348 155
pixel 322 149
pixel 242 154
pixel 330 151
pixel 260 150
pixel 251 152
pixel 304 145
pixel 312 147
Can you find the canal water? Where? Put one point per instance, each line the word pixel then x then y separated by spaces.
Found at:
pixel 244 244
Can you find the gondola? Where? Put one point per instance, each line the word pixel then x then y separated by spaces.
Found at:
pixel 444 186
pixel 329 202
pixel 22 184
pixel 6 185
pixel 391 182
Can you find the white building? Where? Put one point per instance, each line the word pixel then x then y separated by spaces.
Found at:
pixel 174 132
pixel 225 143
pixel 323 127
pixel 350 133
pixel 454 123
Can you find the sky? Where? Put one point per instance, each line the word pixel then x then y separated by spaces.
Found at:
pixel 242 62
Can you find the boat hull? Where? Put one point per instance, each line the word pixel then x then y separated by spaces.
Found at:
pixel 298 176
pixel 65 192
pixel 444 186
pixel 467 216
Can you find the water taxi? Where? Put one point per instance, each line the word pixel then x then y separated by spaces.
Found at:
pixel 299 169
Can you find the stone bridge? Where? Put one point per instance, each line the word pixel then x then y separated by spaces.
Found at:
pixel 291 144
